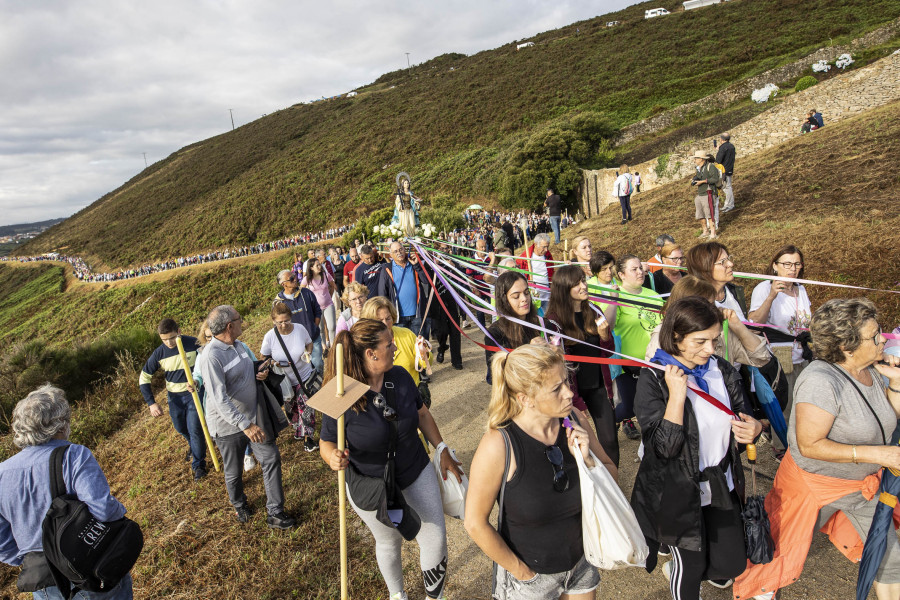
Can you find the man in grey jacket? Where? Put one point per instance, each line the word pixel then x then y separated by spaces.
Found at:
pixel 231 406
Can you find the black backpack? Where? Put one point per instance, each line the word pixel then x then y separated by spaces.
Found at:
pixel 82 552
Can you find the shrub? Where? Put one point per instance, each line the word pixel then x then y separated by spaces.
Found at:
pixel 805 82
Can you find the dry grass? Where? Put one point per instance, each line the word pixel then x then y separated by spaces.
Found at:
pixel 832 193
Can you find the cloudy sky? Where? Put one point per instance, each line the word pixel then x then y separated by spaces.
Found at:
pixel 90 86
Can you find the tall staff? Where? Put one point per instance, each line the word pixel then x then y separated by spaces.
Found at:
pixel 342 475
pixel 334 399
pixel 190 380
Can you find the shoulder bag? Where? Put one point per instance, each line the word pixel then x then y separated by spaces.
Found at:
pixel 302 416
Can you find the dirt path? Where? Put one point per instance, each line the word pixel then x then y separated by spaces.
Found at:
pixel 460 400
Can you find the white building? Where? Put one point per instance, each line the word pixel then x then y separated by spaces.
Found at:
pixel 655 12
pixel 612 23
pixel 692 4
pixel 525 45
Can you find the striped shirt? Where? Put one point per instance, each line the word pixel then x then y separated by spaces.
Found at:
pixel 170 361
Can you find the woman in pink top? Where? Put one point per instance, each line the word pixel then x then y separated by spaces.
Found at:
pixel 321 285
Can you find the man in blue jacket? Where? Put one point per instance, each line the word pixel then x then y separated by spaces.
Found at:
pixel 305 311
pixel 181 403
pixel 403 283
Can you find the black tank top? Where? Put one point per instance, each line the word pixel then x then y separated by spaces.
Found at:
pixel 540 525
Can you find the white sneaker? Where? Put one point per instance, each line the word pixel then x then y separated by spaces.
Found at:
pixel 725 584
pixel 399 596
pixel 249 462
pixel 667 571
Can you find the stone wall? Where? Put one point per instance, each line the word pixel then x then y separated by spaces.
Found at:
pixel 743 89
pixel 838 98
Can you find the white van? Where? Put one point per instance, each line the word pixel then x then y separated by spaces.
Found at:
pixel 655 12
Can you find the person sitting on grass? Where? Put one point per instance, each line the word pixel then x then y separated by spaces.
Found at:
pixel 184 414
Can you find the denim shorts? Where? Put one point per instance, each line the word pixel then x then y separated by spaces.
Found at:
pixel 582 578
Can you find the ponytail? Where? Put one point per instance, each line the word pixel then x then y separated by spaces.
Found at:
pixel 364 335
pixel 522 371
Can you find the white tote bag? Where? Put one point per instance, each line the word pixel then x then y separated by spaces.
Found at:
pixel 612 536
pixel 453 492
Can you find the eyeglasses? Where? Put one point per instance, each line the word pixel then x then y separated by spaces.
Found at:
pixel 727 259
pixel 560 477
pixel 282 323
pixel 791 265
pixel 675 259
pixel 387 412
pixel 875 339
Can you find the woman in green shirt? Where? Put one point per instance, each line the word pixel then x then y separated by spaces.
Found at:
pixel 633 324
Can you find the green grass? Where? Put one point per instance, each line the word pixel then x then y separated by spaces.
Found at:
pixel 459 132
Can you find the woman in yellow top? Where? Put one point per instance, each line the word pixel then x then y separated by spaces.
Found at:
pixel 381 309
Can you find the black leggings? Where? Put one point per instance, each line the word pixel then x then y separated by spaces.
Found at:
pixel 625 201
pixel 627 384
pixel 602 413
pixel 722 555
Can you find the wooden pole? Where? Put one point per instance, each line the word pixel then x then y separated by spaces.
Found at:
pixel 342 475
pixel 566 252
pixel 190 380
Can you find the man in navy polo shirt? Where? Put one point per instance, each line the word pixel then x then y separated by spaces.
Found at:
pixel 305 311
pixel 369 269
pixel 403 283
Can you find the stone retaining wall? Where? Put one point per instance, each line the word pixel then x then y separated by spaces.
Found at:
pixel 837 98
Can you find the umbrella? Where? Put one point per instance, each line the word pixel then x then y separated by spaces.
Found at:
pixel 757 534
pixel 475 207
pixel 882 525
pixel 769 404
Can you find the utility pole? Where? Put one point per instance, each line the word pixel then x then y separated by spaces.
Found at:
pixel 407 60
pixel 232 118
pixel 145 159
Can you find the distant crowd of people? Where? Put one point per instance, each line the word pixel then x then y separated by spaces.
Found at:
pixel 83 272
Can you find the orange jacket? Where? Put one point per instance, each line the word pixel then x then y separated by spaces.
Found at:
pixel 793 506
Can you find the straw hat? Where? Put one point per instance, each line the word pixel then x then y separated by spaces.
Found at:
pixel 702 154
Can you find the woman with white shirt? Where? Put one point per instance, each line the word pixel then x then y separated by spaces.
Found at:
pixel 786 306
pixel 690 485
pixel 712 262
pixel 295 339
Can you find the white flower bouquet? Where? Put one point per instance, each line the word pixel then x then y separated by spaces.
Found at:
pixel 843 61
pixel 821 67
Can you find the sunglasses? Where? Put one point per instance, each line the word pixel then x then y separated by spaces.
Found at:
pixel 387 412
pixel 560 478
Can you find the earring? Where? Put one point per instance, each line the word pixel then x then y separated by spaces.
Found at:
pixel 850 353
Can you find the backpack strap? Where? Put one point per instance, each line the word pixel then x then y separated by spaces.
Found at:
pixel 288 354
pixel 57 483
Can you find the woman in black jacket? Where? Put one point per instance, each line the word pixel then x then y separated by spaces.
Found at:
pixel 690 485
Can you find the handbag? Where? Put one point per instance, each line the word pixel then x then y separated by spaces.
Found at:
pixel 612 537
pixel 302 416
pixel 453 492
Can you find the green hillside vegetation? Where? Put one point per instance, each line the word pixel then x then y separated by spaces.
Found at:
pixel 498 126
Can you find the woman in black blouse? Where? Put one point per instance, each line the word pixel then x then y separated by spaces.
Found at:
pixel 513 299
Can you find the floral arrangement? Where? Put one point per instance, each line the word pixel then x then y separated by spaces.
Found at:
pixel 821 67
pixel 843 61
pixel 392 230
pixel 770 90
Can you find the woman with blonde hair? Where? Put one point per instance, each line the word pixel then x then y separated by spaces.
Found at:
pixel 581 253
pixel 381 309
pixel 538 547
pixel 390 415
pixel 355 296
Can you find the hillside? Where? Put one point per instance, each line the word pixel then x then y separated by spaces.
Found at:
pixel 829 192
pixel 489 126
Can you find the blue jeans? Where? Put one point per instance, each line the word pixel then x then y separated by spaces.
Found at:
pixel 413 323
pixel 187 422
pixel 554 225
pixel 122 591
pixel 316 359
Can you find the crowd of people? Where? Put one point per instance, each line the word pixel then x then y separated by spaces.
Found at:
pixel 84 273
pixel 547 324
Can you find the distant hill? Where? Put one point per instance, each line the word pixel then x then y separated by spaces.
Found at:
pixel 28 227
pixel 497 126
